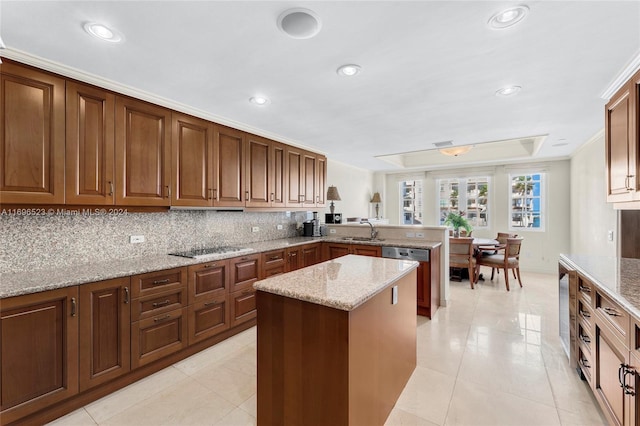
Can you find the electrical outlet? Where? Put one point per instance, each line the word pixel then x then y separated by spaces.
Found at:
pixel 255 229
pixel 136 239
pixel 332 231
pixel 279 227
pixel 410 234
pixel 419 235
pixel 610 235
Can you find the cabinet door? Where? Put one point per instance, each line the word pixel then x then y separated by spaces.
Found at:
pixel 208 280
pixel 39 351
pixel 159 336
pixel 309 180
pixel 321 181
pixel 335 250
pixel 244 272
pixel 259 172
pixel 619 137
pixel 295 175
pixel 273 261
pixel 365 250
pixel 153 283
pixel 32 136
pixel 243 306
pixel 143 154
pixel 310 254
pixel 90 145
pixel 192 161
pixel 610 356
pixel 208 318
pixel 105 326
pixel 294 259
pixel 229 163
pixel 279 186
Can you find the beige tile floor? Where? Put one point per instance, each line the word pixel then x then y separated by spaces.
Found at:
pixel 491 357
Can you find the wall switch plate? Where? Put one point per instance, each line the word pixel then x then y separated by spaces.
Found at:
pixel 136 239
pixel 255 229
pixel 332 231
pixel 279 227
pixel 419 235
pixel 410 234
pixel 610 235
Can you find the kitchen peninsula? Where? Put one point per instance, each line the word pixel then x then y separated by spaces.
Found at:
pixel 336 341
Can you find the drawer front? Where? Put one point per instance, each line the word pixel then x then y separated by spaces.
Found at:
pixel 614 315
pixel 158 336
pixel 274 271
pixel 243 306
pixel 158 282
pixel 208 280
pixel 585 314
pixel 208 318
pixel 149 306
pixel 273 259
pixel 585 337
pixel 244 272
pixel 584 362
pixel 585 290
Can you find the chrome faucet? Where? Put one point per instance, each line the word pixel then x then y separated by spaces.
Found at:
pixel 374 232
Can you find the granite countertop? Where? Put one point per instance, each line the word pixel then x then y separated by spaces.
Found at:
pixel 343 283
pixel 618 277
pixel 408 242
pixel 20 283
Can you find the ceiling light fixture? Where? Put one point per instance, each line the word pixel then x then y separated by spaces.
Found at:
pixel 299 23
pixel 102 32
pixel 349 70
pixel 456 150
pixel 508 90
pixel 508 17
pixel 259 100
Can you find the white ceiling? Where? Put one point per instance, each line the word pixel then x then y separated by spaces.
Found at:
pixel 430 68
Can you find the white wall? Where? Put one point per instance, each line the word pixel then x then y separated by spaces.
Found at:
pixel 355 189
pixel 591 216
pixel 540 249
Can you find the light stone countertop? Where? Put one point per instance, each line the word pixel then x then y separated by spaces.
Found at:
pixel 20 283
pixel 618 277
pixel 343 283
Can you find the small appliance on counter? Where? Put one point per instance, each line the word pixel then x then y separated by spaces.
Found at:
pixel 333 218
pixel 311 228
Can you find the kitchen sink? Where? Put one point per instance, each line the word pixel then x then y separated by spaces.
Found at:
pixel 361 239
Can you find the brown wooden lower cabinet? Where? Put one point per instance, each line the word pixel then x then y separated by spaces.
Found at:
pixel 335 250
pixel 158 336
pixel 365 250
pixel 429 284
pixel 311 254
pixel 39 351
pixel 611 354
pixel 208 318
pixel 105 327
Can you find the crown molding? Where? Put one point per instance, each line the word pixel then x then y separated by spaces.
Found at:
pixel 623 77
pixel 85 77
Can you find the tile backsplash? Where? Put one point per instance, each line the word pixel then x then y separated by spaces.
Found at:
pixel 42 242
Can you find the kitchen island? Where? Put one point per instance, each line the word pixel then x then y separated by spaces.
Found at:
pixel 336 341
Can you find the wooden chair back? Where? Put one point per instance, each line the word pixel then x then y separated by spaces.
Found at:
pixel 502 237
pixel 460 252
pixel 512 248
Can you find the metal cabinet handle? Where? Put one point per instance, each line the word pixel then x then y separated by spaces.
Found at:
pixel 168 191
pixel 585 339
pixel 159 304
pixel 585 289
pixel 213 302
pixel 611 312
pixel 166 317
pixel 273 196
pixel 160 282
pixel 585 314
pixel 246 195
pixel 211 193
pixel 584 363
pixel 126 295
pixel 110 188
pixel 621 378
pixel 211 265
pixel 275 258
pixel 73 306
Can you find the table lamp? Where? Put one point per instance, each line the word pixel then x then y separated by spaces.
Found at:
pixel 376 199
pixel 332 195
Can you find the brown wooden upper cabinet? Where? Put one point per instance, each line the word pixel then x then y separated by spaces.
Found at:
pixel 192 158
pixel 265 172
pixel 143 153
pixel 90 145
pixel 622 135
pixel 32 115
pixel 229 152
pixel 306 180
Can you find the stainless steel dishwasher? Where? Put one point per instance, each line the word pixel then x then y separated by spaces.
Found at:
pixel 428 292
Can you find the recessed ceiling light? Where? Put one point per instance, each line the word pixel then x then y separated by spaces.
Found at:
pixel 508 91
pixel 560 144
pixel 299 23
pixel 508 17
pixel 349 70
pixel 102 32
pixel 259 100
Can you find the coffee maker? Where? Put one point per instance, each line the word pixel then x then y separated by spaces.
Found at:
pixel 311 228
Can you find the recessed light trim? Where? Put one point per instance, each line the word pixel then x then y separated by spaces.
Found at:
pixel 102 32
pixel 299 23
pixel 349 70
pixel 259 100
pixel 508 17
pixel 508 91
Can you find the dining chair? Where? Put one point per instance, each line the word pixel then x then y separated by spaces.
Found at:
pixel 501 238
pixel 508 259
pixel 461 256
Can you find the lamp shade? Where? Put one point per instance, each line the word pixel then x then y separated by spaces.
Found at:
pixel 332 194
pixel 376 198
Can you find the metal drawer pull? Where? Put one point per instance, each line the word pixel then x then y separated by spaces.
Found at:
pixel 246 195
pixel 213 302
pixel 621 378
pixel 275 258
pixel 161 282
pixel 211 193
pixel 585 289
pixel 110 188
pixel 210 265
pixel 158 304
pixel 126 295
pixel 73 306
pixel 612 312
pixel 583 363
pixel 272 196
pixel 162 318
pixel 585 314
pixel 585 339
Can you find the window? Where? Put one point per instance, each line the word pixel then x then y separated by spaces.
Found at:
pixel 411 202
pixel 469 195
pixel 526 206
